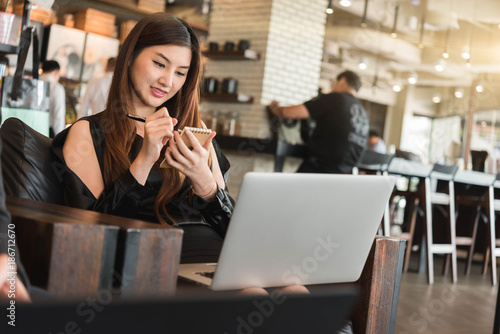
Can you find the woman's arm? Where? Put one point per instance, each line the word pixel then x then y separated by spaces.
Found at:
pixel 80 156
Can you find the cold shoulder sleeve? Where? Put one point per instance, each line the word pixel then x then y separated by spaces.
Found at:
pixel 122 198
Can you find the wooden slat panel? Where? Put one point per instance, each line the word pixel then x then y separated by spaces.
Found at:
pixel 76 260
pixel 160 248
pixel 379 287
pixel 147 254
pixel 66 258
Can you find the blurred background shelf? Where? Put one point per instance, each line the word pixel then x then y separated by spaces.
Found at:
pixel 227 98
pixel 232 55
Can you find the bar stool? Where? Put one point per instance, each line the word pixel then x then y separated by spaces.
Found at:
pixel 439 190
pixel 493 250
pixel 372 162
pixel 472 189
pixel 414 198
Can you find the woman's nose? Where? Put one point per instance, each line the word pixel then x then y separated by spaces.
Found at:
pixel 166 79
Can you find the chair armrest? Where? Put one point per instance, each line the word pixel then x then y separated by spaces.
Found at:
pixel 75 252
pixel 379 287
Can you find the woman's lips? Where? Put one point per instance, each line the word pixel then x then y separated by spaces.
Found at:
pixel 158 92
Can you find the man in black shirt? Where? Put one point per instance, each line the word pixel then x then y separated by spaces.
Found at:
pixel 342 127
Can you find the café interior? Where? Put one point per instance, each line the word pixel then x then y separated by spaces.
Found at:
pixel 430 73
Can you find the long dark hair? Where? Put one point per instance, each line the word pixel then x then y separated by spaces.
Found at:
pixel 119 131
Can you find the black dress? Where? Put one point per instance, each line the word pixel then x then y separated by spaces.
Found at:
pixel 204 223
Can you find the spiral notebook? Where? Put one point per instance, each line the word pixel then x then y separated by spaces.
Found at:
pixel 200 134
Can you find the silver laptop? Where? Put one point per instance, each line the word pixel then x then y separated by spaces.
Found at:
pixel 293 228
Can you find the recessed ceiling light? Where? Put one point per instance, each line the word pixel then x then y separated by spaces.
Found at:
pixel 466 53
pixel 412 79
pixel 436 98
pixel 440 65
pixel 345 3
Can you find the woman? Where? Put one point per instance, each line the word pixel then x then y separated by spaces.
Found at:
pixel 117 158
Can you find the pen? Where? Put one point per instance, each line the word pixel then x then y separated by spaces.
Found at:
pixel 137 118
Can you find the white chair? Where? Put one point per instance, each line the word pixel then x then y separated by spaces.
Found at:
pixel 439 190
pixel 414 197
pixel 493 250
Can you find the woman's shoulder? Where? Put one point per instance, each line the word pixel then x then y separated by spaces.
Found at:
pixel 83 128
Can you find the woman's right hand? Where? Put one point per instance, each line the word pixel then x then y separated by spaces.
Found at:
pixel 158 129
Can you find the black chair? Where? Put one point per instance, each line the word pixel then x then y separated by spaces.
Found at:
pixel 371 162
pixel 30 169
pixel 472 189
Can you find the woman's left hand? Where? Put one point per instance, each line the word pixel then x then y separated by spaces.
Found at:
pixel 193 162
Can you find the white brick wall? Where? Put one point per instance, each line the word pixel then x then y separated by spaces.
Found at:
pixel 288 34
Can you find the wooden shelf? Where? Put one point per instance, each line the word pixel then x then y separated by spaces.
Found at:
pixel 232 55
pixel 227 98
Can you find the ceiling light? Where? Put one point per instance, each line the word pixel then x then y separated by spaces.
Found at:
pixel 436 98
pixel 446 55
pixel 459 93
pixel 466 53
pixel 365 15
pixel 345 3
pixel 396 88
pixel 329 9
pixel 394 32
pixel 479 88
pixel 363 64
pixel 412 79
pixel 440 65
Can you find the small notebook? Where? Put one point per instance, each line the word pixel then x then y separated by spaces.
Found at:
pixel 200 134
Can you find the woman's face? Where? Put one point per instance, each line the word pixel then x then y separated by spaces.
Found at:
pixel 157 74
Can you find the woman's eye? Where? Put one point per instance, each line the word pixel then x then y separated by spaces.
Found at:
pixel 157 63
pixel 181 74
